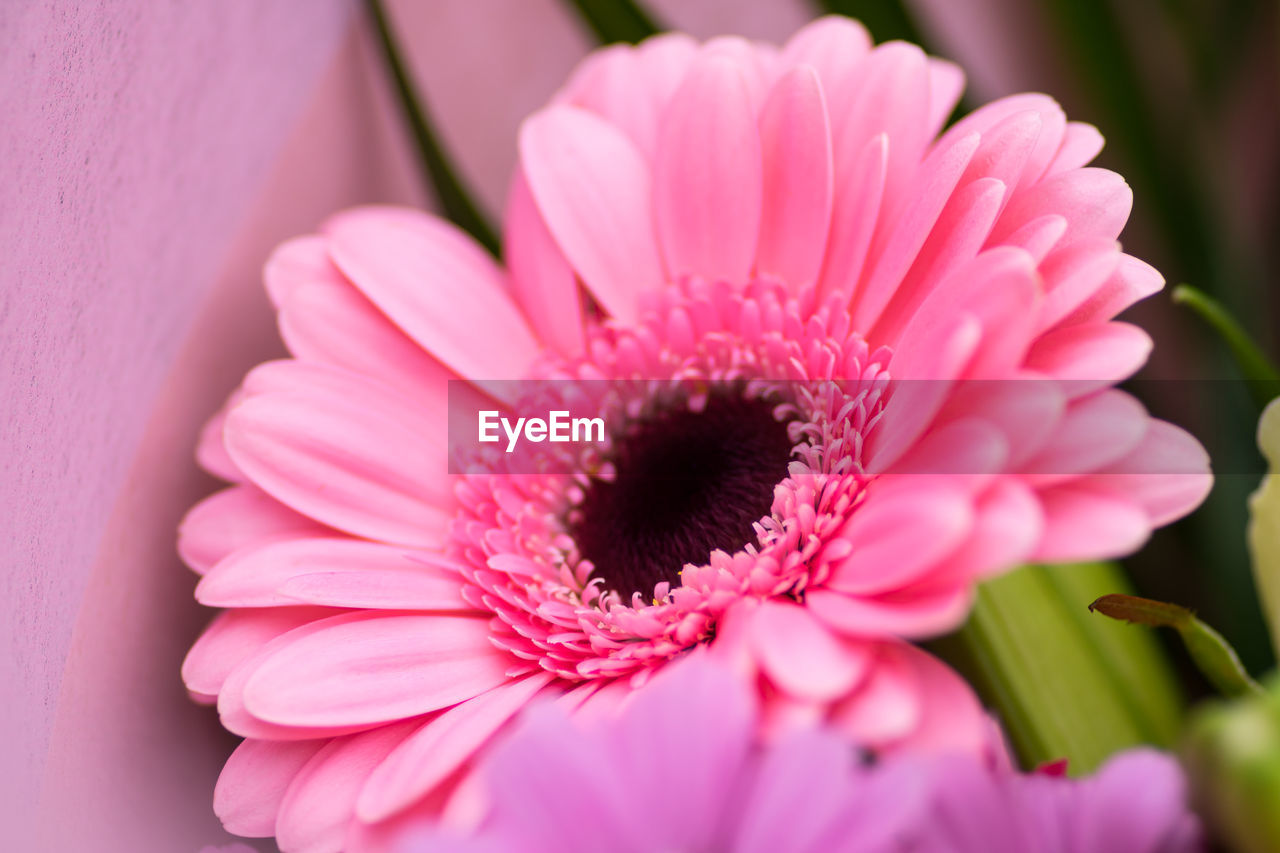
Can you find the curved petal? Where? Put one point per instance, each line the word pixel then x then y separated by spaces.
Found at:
pixel 298 262
pixel 336 572
pixel 321 800
pixel 1089 524
pixel 795 136
pixel 800 656
pixel 593 188
pixel 367 668
pixel 235 636
pixel 331 323
pixel 235 518
pixel 351 455
pixel 1090 356
pixel 708 175
pixel 541 278
pixel 437 285
pixel 254 780
pixel 432 753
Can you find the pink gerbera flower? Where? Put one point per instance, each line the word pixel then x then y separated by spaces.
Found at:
pixel 778 228
pixel 681 769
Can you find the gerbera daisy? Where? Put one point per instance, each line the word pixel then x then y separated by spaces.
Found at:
pixel 782 230
pixel 687 750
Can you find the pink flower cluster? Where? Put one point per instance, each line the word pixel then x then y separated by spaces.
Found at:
pixel 923 323
pixel 680 769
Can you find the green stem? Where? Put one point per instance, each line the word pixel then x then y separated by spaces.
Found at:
pixel 444 182
pixel 1257 369
pixel 616 20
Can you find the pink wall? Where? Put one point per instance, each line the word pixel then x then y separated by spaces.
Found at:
pixel 151 155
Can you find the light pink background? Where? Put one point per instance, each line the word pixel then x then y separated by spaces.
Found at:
pixel 151 155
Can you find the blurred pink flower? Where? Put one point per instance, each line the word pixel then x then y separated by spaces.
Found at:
pixel 712 213
pixel 680 769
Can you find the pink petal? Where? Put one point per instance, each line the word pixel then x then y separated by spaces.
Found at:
pixel 897 246
pixel 437 285
pixel 211 451
pixel 1041 148
pixel 933 352
pixel 593 189
pixel 331 323
pixel 707 175
pixel 952 718
pixel 1008 524
pixel 1132 281
pixel 1037 237
pixel 298 262
pixel 320 803
pixel 968 449
pixel 541 278
pixel 800 656
pixel 235 716
pixel 1095 431
pixel 432 753
pixel 1090 356
pixel 887 707
pixel 253 783
pixel 884 96
pixel 235 636
pixel 795 137
pixel 1167 474
pixel 366 461
pixel 911 614
pixel 1073 276
pixel 1006 148
pixel 1089 524
pixel 1080 144
pixel 833 45
pixel 946 85
pixel 372 668
pixel 958 234
pixel 1095 202
pixel 903 528
pixel 1025 407
pixel 330 571
pixel 860 177
pixel 234 518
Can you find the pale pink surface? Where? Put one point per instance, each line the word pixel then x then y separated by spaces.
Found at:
pixel 988 254
pixel 98 284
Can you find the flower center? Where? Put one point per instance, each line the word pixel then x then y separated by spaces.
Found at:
pixel 685 483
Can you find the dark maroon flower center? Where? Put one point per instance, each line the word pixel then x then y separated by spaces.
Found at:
pixel 687 483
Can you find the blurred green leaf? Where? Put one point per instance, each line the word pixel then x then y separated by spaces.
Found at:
pixel 1255 367
pixel 1062 687
pixel 616 20
pixel 444 181
pixel 1212 654
pixel 1232 756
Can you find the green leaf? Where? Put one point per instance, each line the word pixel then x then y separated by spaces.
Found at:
pixel 444 182
pixel 1232 755
pixel 1063 688
pixel 1212 654
pixel 616 20
pixel 1257 369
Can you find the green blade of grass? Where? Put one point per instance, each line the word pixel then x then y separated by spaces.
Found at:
pixel 1255 367
pixel 1050 675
